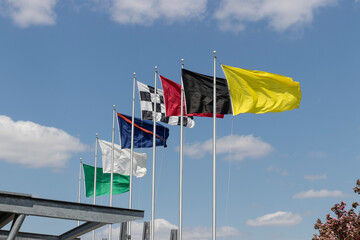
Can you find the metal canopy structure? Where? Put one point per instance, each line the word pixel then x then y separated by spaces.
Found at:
pixel 15 207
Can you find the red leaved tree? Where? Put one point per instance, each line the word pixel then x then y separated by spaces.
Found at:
pixel 346 225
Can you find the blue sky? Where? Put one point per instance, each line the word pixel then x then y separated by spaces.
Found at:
pixel 64 64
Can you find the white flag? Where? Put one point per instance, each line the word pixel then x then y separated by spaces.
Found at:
pixel 122 160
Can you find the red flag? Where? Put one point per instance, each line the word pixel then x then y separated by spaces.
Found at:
pixel 172 97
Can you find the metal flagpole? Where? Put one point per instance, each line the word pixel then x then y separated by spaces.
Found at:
pixel 96 143
pixel 132 153
pixel 181 156
pixel 153 165
pixel 112 166
pixel 79 197
pixel 214 155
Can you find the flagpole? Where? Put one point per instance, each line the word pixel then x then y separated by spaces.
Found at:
pixel 132 153
pixel 181 156
pixel 96 142
pixel 214 155
pixel 153 164
pixel 112 166
pixel 79 197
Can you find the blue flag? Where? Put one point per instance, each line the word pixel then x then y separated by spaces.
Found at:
pixel 143 132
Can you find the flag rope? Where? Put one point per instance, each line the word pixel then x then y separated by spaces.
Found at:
pixel 229 175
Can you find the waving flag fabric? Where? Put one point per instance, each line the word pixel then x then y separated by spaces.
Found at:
pixel 172 97
pixel 243 91
pixel 147 99
pixel 122 160
pixel 143 132
pixel 199 93
pixel 261 92
pixel 103 180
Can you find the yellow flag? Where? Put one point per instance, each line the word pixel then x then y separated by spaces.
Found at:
pixel 254 91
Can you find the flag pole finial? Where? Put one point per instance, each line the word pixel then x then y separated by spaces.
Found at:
pixel 134 74
pixel 80 160
pixel 182 60
pixel 214 53
pixel 155 68
pixel 114 106
pixel 96 135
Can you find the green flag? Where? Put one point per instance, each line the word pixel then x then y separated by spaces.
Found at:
pixel 120 182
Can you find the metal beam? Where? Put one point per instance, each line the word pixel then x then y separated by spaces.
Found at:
pixel 25 204
pixel 123 231
pixel 29 236
pixel 80 230
pixel 5 218
pixel 173 234
pixel 146 231
pixel 94 216
pixel 17 222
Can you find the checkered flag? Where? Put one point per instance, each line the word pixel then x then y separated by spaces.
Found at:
pixel 147 96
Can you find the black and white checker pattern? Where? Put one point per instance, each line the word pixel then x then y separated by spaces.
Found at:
pixel 147 96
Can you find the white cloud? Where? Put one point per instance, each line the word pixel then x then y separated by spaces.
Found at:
pixel 282 172
pixel 163 228
pixel 145 12
pixel 204 233
pixel 319 194
pixel 236 147
pixel 318 154
pixel 33 145
pixel 315 177
pixel 276 219
pixel 25 13
pixel 233 15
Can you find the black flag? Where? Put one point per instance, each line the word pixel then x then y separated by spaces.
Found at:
pixel 199 93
